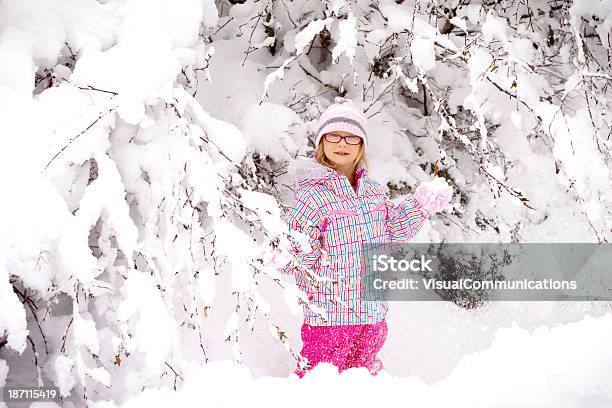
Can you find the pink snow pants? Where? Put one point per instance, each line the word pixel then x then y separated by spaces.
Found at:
pixel 343 346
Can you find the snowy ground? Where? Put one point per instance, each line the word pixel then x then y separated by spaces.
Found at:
pixel 552 366
pixel 507 354
pixel 110 82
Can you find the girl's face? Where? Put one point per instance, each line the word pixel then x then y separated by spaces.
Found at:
pixel 341 153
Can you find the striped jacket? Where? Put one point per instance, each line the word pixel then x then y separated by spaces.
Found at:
pixel 337 220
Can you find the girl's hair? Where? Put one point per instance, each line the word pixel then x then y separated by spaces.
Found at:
pixel 322 159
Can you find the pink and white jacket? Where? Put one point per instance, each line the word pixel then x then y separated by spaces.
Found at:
pixel 338 220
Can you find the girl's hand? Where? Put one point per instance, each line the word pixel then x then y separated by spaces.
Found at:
pixel 434 195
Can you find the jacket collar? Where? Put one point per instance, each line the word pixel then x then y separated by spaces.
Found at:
pixel 314 173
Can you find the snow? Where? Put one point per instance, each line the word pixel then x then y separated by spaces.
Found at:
pixel 239 249
pixel 273 130
pixel 148 151
pixel 378 36
pixel 98 201
pixel 266 208
pixel 100 375
pixel 206 285
pixel 242 10
pixel 473 13
pixel 37 32
pixel 153 66
pixel 85 333
pixel 3 372
pixel 494 27
pixel 63 367
pixel 459 22
pixel 347 39
pixel 305 36
pixel 545 365
pixel 154 329
pixel 12 314
pixel 399 16
pixel 423 53
pixel 336 6
pixel 227 138
pixel 210 14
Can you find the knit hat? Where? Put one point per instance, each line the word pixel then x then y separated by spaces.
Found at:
pixel 343 116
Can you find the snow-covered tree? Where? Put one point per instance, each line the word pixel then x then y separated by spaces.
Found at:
pixel 148 148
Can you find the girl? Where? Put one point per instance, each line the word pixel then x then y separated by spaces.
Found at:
pixel 339 207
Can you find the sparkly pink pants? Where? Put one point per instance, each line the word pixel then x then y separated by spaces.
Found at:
pixel 343 346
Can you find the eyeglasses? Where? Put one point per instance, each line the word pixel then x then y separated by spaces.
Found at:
pixel 334 138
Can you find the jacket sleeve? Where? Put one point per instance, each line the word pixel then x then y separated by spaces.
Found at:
pixel 304 218
pixel 404 220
